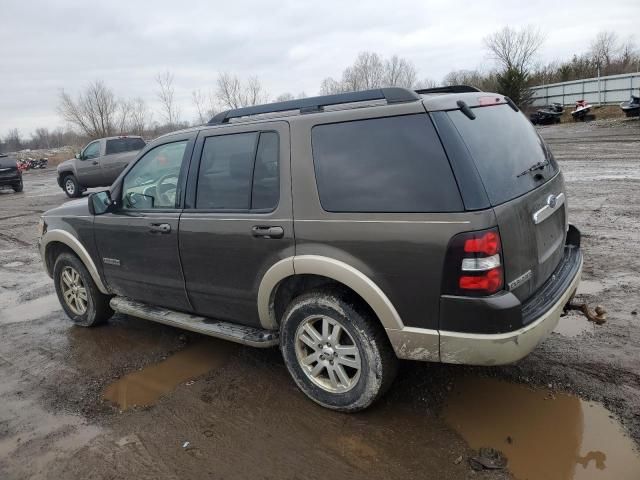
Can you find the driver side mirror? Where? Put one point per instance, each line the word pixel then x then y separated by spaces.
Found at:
pixel 100 203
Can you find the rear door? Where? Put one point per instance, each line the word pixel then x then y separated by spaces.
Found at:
pixel 118 153
pixel 238 217
pixel 526 189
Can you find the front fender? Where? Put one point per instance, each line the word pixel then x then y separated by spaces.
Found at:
pixel 74 244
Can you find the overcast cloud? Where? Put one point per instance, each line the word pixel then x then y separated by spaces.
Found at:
pixel 290 45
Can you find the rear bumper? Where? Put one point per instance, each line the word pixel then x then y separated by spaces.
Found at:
pixel 10 179
pixel 517 328
pixel 509 347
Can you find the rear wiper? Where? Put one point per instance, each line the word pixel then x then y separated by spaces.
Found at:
pixel 533 168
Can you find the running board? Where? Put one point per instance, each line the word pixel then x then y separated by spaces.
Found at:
pixel 255 337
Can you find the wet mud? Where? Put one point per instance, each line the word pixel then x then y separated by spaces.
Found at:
pixel 179 405
pixel 544 434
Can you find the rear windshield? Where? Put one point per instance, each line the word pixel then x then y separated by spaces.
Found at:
pixel 504 144
pixel 391 164
pixel 119 145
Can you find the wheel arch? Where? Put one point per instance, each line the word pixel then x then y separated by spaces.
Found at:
pixel 310 270
pixel 55 241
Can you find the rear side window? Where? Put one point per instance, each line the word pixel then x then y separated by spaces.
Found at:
pixel 239 172
pixel 391 164
pixel 120 145
pixel 504 144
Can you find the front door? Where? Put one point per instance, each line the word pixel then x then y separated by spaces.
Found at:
pixel 237 220
pixel 88 168
pixel 138 243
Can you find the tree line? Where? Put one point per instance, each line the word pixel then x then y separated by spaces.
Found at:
pixel 97 112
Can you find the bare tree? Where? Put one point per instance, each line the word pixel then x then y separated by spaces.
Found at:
pixel 13 142
pixel 515 52
pixel 93 111
pixel 330 86
pixel 205 105
pixel 366 72
pixel 233 93
pixel 425 83
pixel 166 94
pixel 41 138
pixel 123 116
pixel 515 49
pixel 603 48
pixel 399 72
pixel 140 116
pixel 285 97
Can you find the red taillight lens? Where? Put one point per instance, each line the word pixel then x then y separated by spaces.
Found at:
pixel 487 243
pixel 486 282
pixel 473 264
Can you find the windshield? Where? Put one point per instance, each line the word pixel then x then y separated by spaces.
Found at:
pixel 504 144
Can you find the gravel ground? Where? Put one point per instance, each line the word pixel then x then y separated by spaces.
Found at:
pixel 244 417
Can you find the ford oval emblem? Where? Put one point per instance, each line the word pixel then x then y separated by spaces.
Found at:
pixel 552 200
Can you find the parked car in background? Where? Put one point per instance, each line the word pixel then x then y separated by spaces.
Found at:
pixel 10 174
pixel 99 164
pixel 352 230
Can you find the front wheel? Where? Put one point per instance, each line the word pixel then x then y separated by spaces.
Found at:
pixel 71 187
pixel 336 351
pixel 80 298
pixel 18 187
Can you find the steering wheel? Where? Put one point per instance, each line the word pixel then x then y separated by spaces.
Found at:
pixel 164 190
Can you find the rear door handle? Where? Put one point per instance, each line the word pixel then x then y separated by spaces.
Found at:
pixel 160 228
pixel 265 231
pixel 95 162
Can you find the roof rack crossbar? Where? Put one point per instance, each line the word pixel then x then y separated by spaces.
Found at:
pixel 449 89
pixel 314 104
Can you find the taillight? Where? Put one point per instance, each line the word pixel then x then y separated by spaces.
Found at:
pixel 473 264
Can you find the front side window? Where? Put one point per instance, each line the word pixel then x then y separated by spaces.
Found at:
pixel 153 181
pixel 92 151
pixel 390 164
pixel 239 172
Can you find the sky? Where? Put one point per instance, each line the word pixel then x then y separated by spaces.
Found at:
pixel 50 45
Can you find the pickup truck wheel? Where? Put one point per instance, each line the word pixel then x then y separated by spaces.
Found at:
pixel 18 187
pixel 336 352
pixel 80 298
pixel 71 187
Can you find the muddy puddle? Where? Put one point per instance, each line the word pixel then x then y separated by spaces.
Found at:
pixel 31 310
pixel 544 435
pixel 146 386
pixel 573 324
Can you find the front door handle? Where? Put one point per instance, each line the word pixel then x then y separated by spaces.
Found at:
pixel 265 231
pixel 95 162
pixel 160 228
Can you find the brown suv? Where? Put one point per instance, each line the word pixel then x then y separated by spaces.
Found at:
pixel 351 229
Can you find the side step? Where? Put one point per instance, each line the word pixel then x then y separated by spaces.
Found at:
pixel 254 337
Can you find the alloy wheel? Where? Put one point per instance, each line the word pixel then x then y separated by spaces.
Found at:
pixel 73 290
pixel 327 354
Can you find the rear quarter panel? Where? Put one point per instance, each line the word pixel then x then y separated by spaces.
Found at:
pixel 402 253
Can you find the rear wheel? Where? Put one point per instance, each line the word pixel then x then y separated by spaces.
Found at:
pixel 18 187
pixel 78 294
pixel 71 187
pixel 336 352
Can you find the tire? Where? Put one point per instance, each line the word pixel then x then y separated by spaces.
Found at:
pixel 71 187
pixel 18 187
pixel 96 305
pixel 377 360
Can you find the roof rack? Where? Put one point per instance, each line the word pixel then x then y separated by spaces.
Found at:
pixel 317 104
pixel 449 89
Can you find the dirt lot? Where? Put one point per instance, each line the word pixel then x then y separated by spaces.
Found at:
pixel 184 406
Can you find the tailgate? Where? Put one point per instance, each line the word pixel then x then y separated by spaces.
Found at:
pixel 533 230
